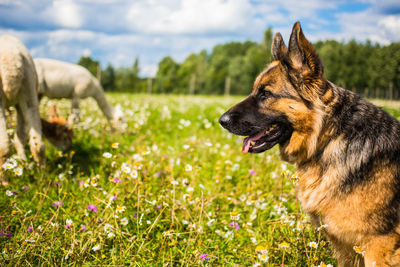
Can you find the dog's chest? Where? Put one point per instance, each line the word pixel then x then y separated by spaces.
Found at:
pixel 339 215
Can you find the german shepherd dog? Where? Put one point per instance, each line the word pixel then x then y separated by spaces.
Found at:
pixel 347 151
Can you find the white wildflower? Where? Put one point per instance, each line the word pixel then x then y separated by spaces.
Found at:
pixel 96 248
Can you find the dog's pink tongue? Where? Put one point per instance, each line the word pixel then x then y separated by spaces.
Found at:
pixel 246 145
pixel 247 141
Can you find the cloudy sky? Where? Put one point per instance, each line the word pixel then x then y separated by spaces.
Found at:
pixel 118 31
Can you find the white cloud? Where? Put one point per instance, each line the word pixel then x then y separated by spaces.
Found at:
pixel 149 70
pixel 66 13
pixel 368 24
pixel 118 31
pixel 189 16
pixel 86 52
pixel 391 25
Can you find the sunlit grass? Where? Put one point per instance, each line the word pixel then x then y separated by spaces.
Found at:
pixel 174 189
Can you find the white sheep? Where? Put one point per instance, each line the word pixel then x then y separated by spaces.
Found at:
pixel 59 79
pixel 18 87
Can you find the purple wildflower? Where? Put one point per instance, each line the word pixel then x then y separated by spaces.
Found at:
pixel 113 198
pixel 56 183
pixel 30 228
pixel 83 228
pixel 5 234
pixel 252 172
pixel 234 225
pixel 80 182
pixel 92 207
pixel 57 204
pixel 204 257
pixel 68 226
pixel 25 188
pixel 117 181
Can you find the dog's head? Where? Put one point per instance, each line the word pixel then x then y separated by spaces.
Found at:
pixel 283 105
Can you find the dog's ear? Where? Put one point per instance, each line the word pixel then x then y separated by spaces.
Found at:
pixel 302 55
pixel 278 48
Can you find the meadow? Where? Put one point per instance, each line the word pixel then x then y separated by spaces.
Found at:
pixel 173 190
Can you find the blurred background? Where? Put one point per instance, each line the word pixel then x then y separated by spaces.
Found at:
pixel 209 47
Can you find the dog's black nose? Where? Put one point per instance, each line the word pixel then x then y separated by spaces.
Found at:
pixel 225 120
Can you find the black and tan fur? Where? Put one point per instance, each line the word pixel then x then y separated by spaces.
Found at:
pixel 347 150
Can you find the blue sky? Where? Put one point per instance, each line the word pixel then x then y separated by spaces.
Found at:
pixel 118 31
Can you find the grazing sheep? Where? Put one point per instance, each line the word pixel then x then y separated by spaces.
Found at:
pixel 57 130
pixel 18 87
pixel 59 79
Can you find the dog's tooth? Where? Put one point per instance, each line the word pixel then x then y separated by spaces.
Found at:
pixel 252 143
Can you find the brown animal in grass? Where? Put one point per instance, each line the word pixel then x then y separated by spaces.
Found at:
pixel 57 130
pixel 347 151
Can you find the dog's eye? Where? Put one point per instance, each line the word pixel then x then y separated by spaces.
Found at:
pixel 266 94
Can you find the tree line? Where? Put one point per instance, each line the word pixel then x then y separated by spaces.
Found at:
pixel 370 69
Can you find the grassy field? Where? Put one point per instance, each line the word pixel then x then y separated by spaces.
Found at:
pixel 173 190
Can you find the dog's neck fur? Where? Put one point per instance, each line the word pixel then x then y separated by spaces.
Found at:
pixel 346 122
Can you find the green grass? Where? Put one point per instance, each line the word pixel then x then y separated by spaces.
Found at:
pixel 191 177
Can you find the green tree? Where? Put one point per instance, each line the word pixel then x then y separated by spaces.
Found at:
pixel 166 77
pixel 218 69
pixel 127 78
pixel 108 78
pixel 191 73
pixel 91 64
pixel 267 41
pixel 353 65
pixel 331 54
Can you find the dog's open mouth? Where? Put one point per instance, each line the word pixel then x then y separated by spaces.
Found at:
pixel 263 140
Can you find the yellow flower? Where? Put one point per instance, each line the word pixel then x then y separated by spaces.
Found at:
pixel 359 250
pixel 188 167
pixel 120 209
pixel 313 244
pixel 124 221
pixel 134 174
pixel 263 257
pixel 234 216
pixel 299 226
pixel 14 212
pixel 284 245
pixel 18 171
pixel 262 249
pixel 115 145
